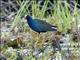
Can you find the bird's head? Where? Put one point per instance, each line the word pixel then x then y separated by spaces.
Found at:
pixel 28 17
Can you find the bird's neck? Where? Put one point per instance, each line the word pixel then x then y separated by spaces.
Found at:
pixel 30 20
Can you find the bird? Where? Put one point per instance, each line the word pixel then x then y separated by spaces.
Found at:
pixel 39 25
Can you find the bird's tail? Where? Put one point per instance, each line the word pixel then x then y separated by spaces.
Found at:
pixel 54 28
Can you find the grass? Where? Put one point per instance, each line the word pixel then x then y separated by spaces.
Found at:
pixel 60 16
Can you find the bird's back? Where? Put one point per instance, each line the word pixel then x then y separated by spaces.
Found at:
pixel 43 26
